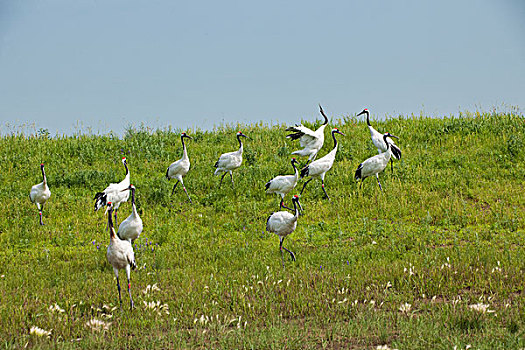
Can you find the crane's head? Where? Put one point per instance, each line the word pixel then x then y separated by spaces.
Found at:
pixel 109 208
pixel 124 161
pixel 387 134
pixel 336 131
pixel 294 161
pixel 295 199
pixel 42 165
pixel 130 187
pixel 239 133
pixel 364 111
pixel 186 136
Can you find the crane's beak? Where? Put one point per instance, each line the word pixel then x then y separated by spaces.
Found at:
pixel 394 136
pixel 126 189
pixel 188 137
pixel 339 132
pixel 363 112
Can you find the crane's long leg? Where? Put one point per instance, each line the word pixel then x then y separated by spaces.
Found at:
pixel 281 204
pixel 129 288
pixel 281 249
pixel 289 251
pixel 381 188
pixel 40 208
pixel 174 186
pixel 118 287
pixel 306 183
pixel 222 177
pixel 184 188
pixel 392 165
pixel 231 177
pixel 322 185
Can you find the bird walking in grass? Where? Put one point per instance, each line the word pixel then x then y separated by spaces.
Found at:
pixel 379 141
pixel 230 161
pixel 40 193
pixel 113 193
pixel 282 223
pixel 310 141
pixel 120 255
pixel 131 228
pixel 283 184
pixel 180 167
pixel 319 168
pixel 376 164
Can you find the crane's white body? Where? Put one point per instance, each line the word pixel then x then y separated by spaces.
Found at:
pixel 180 168
pixel 282 223
pixel 230 161
pixel 121 256
pixel 311 141
pixel 374 165
pixel 114 192
pixel 40 193
pixel 131 228
pixel 378 140
pixel 283 184
pixel 318 168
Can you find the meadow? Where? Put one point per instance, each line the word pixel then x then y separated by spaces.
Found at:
pixel 436 261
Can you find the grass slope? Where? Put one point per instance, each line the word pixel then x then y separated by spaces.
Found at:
pixel 401 268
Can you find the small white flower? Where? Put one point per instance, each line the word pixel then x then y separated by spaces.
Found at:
pixel 39 332
pixel 405 308
pixel 98 325
pixel 56 308
pixel 480 307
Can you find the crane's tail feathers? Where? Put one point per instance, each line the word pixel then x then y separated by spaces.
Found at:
pixel 268 223
pixel 167 171
pixel 133 264
pixel 305 171
pixel 396 151
pixel 100 200
pixel 268 184
pixel 216 164
pixel 358 172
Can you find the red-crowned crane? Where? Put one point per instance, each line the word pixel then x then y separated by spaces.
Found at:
pixel 230 161
pixel 120 255
pixel 282 223
pixel 283 184
pixel 40 193
pixel 311 141
pixel 318 168
pixel 378 141
pixel 113 193
pixel 376 164
pixel 180 167
pixel 131 228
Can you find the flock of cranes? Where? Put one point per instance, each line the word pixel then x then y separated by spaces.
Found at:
pixel 120 249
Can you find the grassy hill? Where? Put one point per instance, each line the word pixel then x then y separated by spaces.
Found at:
pixel 435 261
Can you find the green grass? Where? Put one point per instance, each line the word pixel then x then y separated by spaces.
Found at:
pixel 447 233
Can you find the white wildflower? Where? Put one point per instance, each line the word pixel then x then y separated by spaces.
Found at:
pixel 39 332
pixel 384 347
pixel 405 308
pixel 151 288
pixel 480 307
pixel 56 308
pixel 98 325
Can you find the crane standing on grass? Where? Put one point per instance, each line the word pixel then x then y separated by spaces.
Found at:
pixel 283 184
pixel 379 142
pixel 311 141
pixel 318 168
pixel 180 167
pixel 40 193
pixel 230 161
pixel 120 255
pixel 376 164
pixel 282 223
pixel 113 193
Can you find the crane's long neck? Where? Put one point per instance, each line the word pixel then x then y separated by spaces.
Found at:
pixel 325 119
pixel 368 118
pixel 335 140
pixel 44 176
pixel 133 201
pixel 240 143
pixel 296 171
pixel 127 171
pixel 112 234
pixel 296 216
pixel 185 152
pixel 388 146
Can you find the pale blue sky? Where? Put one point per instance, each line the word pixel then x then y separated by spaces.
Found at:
pixel 109 64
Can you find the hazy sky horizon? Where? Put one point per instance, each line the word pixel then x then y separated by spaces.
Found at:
pixel 105 66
